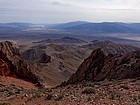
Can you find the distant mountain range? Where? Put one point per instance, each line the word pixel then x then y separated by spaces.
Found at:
pixel 78 27
pixel 105 27
pixel 10 27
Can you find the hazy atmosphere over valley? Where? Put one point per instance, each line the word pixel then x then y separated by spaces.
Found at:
pixel 69 52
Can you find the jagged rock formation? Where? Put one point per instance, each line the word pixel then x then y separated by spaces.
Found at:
pixel 11 64
pixel 99 66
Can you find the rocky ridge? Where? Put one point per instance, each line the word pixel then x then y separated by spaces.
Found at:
pixel 67 40
pixel 64 59
pixel 110 47
pixel 12 64
pixel 99 66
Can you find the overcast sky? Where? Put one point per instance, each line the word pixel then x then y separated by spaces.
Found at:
pixel 57 11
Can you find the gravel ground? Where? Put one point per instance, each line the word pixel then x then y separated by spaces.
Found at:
pixel 117 92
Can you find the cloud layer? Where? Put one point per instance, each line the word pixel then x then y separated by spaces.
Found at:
pixel 53 11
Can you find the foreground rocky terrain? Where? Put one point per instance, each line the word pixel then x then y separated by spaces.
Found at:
pixel 117 92
pixel 104 78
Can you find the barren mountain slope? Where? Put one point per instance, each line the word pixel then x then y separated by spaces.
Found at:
pixel 98 67
pixel 110 47
pixel 64 59
pixel 93 81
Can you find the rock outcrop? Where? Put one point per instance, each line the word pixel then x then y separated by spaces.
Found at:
pixel 99 66
pixel 37 55
pixel 11 64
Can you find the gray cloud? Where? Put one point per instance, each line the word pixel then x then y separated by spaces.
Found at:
pixel 48 11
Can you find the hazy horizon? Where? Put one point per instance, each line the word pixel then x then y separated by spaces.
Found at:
pixel 67 22
pixel 62 11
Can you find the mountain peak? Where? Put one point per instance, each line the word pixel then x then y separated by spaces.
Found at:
pixel 98 67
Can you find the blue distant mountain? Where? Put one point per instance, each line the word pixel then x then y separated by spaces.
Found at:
pixel 66 25
pixel 15 26
pixel 105 27
pixel 78 27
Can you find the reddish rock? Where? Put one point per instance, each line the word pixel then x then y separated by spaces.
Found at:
pixel 11 64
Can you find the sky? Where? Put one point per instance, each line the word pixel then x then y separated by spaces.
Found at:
pixel 59 11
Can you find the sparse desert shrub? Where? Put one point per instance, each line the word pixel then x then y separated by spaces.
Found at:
pixel 89 99
pixel 115 95
pixel 106 83
pixel 124 86
pixel 49 96
pixel 10 93
pixel 59 97
pixel 134 80
pixel 80 99
pixel 21 87
pixel 0 80
pixel 43 90
pixel 138 89
pixel 70 92
pixel 2 90
pixel 112 96
pixel 13 85
pixel 135 98
pixel 17 92
pixel 89 90
pixel 36 94
pixel 48 90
